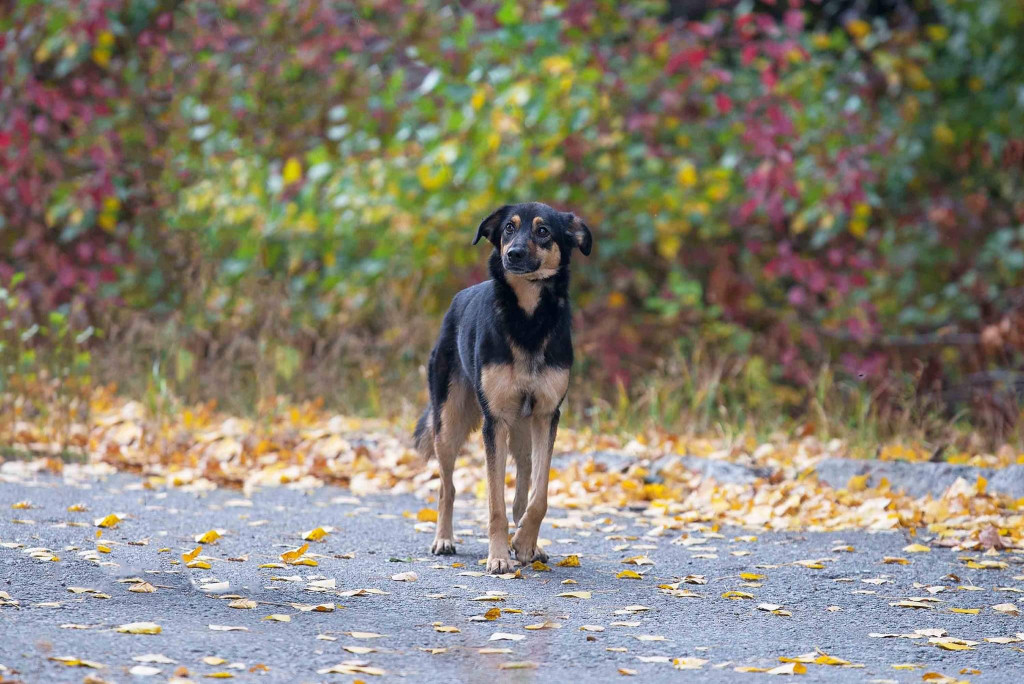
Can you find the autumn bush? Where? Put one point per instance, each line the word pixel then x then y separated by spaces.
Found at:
pixel 799 208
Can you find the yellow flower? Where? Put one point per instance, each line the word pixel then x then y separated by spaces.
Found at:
pixel 821 41
pixel 431 178
pixel 943 134
pixel 937 32
pixel 858 28
pixel 478 99
pixel 687 175
pixel 292 172
pixel 556 65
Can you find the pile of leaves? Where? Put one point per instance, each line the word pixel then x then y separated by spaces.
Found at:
pixel 305 446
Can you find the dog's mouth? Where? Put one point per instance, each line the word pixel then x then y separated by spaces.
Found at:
pixel 520 269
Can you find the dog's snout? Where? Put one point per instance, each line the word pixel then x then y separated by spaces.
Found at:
pixel 516 253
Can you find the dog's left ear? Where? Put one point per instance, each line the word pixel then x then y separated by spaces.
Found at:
pixel 581 234
pixel 489 227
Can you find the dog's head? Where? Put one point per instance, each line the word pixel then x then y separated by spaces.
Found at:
pixel 534 240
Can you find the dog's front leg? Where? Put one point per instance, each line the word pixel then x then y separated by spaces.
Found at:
pixel 496 446
pixel 543 429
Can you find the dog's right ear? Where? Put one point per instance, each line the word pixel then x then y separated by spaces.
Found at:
pixel 490 227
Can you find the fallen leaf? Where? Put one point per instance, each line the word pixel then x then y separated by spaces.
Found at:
pixel 244 604
pixel 519 665
pixel 315 534
pixel 191 555
pixel 139 628
pixel 207 537
pixel 576 594
pixel 142 588
pixel 1006 609
pixel 751 576
pixel 153 658
pixel 409 576
pixel 359 650
pixel 447 629
pixel 736 595
pixel 688 663
pixel 504 636
pixel 539 567
pixel 292 556
pixel 427 515
pixel 894 560
pixel 278 617
pixel 108 521
pixel 226 628
pixel 629 574
pixel 788 669
pixel 916 548
pixel 364 635
pixel 572 561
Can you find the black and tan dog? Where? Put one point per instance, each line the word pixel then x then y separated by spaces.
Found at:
pixel 504 354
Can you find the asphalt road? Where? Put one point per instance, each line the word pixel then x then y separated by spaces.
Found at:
pixel 372 541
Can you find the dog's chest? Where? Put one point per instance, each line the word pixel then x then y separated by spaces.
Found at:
pixel 525 386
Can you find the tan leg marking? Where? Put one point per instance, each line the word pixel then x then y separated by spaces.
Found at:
pixel 459 415
pixel 525 540
pixel 519 443
pixel 498 560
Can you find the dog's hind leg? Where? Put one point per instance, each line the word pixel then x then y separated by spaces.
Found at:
pixel 458 416
pixel 520 444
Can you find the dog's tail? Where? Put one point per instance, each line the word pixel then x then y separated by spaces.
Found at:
pixel 423 435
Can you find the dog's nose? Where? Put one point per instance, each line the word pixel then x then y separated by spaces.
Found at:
pixel 516 253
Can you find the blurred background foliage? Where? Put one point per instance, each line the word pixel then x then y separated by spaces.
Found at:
pixel 801 209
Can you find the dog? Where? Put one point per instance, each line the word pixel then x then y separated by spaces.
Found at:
pixel 503 358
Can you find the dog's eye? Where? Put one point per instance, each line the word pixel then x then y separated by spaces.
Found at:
pixel 509 228
pixel 542 231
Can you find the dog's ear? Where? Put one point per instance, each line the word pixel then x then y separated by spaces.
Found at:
pixel 490 228
pixel 580 232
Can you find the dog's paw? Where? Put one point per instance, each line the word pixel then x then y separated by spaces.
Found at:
pixel 443 547
pixel 526 556
pixel 499 566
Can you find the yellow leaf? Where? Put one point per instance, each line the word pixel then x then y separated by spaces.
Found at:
pixel 950 646
pixel 76 662
pixel 219 675
pixel 735 595
pixel 102 548
pixel 198 564
pixel 364 635
pixel 109 521
pixel 279 617
pixel 825 659
pixel 493 614
pixel 427 515
pixel 142 588
pixel 987 565
pixel 291 556
pixel 207 537
pixel 245 604
pixel 315 534
pixel 906 666
pixel 276 566
pixel 916 548
pixel 190 556
pixel 21 505
pixel 572 561
pixel 520 665
pixel 751 576
pixel 292 172
pixel 359 650
pixel 447 629
pixel 139 628
pixel 965 611
pixel 906 603
pixel 893 560
pixel 788 669
pixel 77 508
pixel 688 663
pixel 576 594
pixel 629 574
pixel 539 567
